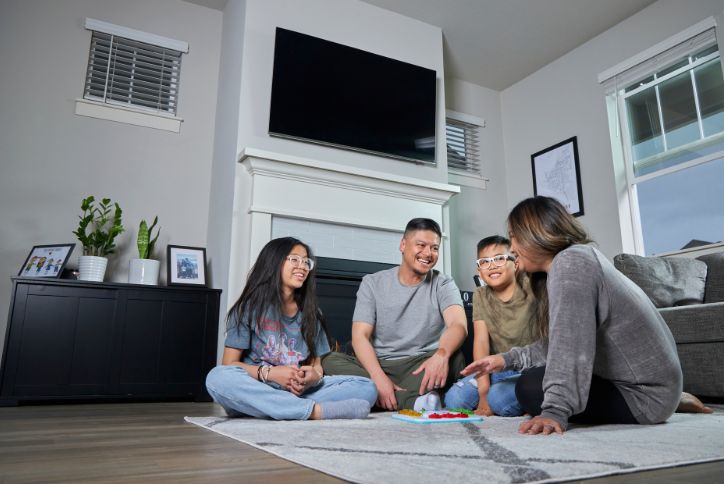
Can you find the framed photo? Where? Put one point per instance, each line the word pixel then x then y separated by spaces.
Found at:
pixel 186 266
pixel 46 260
pixel 556 174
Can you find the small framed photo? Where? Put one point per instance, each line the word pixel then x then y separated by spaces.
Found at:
pixel 186 266
pixel 46 260
pixel 556 174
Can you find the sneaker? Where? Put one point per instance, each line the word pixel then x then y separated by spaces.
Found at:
pixel 429 401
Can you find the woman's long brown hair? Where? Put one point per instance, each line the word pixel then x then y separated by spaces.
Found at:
pixel 542 227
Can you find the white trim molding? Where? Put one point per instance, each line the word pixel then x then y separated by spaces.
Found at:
pixel 270 185
pixel 108 28
pixel 136 117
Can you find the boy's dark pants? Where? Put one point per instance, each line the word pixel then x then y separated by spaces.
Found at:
pixel 399 370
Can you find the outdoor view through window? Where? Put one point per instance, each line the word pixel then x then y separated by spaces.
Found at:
pixel 674 119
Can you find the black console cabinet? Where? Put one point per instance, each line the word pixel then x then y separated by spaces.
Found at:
pixel 77 340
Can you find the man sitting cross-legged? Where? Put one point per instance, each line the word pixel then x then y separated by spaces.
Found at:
pixel 407 327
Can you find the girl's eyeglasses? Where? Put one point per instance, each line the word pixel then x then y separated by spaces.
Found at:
pixel 298 261
pixel 497 261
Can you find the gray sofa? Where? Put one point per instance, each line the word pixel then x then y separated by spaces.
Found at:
pixel 690 296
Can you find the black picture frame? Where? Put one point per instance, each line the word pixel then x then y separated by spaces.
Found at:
pixel 557 174
pixel 185 266
pixel 46 261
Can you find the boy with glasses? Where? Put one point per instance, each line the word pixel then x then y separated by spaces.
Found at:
pixel 503 314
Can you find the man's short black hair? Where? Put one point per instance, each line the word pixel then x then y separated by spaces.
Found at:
pixel 422 224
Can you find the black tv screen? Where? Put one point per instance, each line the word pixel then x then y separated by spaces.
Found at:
pixel 328 93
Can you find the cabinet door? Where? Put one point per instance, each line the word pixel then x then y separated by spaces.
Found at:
pixel 164 340
pixel 60 342
pixel 182 354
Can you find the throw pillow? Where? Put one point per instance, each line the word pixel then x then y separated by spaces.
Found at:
pixel 714 277
pixel 667 281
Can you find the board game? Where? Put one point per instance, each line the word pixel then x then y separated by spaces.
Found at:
pixel 436 416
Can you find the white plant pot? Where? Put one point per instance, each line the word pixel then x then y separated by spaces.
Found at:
pixel 92 268
pixel 144 271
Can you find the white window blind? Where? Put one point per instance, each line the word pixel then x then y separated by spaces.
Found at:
pixel 463 149
pixel 613 80
pixel 129 72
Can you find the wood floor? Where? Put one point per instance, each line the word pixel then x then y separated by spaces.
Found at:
pixel 150 442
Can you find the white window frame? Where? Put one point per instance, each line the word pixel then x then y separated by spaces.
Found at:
pixel 135 115
pixel 465 177
pixel 625 179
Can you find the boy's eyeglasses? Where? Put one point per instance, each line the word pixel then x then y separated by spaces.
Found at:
pixel 298 261
pixel 497 261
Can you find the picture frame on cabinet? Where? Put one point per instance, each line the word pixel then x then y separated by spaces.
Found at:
pixel 186 266
pixel 46 261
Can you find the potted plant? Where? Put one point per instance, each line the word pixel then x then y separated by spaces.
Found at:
pixel 145 269
pixel 100 224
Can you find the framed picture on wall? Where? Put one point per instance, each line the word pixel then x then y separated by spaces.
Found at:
pixel 186 266
pixel 556 174
pixel 46 260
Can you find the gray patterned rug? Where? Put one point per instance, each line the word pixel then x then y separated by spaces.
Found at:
pixel 380 449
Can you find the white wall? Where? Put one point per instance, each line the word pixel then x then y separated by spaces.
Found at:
pixel 349 22
pixel 52 158
pixel 564 99
pixel 477 212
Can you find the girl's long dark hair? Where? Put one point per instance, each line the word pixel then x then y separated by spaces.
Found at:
pixel 263 290
pixel 542 226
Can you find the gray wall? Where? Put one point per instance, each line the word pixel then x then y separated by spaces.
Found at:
pixel 477 212
pixel 52 158
pixel 564 99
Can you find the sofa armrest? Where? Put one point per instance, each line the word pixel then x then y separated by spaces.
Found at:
pixel 697 323
pixel 714 287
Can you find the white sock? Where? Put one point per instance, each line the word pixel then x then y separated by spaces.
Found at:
pixel 428 401
pixel 352 408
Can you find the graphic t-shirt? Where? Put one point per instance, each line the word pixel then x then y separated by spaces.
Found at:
pixel 276 340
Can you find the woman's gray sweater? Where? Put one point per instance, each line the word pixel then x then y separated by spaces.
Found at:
pixel 601 323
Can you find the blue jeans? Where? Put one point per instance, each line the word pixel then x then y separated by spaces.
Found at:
pixel 501 395
pixel 231 387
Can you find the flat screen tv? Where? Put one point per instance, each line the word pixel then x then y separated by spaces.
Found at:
pixel 332 94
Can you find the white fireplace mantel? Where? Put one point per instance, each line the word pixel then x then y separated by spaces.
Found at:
pixel 272 185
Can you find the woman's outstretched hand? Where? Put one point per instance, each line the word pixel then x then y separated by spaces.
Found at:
pixel 483 366
pixel 540 425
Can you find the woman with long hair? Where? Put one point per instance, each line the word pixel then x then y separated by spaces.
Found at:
pixel 274 341
pixel 607 355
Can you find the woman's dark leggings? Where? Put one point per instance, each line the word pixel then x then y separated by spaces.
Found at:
pixel 605 403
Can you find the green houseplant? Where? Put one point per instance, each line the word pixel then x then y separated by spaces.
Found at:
pixel 100 224
pixel 145 269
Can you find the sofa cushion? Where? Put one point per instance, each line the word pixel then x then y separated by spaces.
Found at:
pixel 714 291
pixel 667 281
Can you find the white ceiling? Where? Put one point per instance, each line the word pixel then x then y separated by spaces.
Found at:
pixel 496 43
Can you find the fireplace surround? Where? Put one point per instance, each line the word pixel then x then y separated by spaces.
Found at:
pixel 341 210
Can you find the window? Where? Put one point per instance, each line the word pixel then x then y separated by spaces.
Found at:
pixel 667 113
pixel 462 142
pixel 133 70
pixel 127 72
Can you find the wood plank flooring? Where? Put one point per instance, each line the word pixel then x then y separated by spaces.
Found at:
pixel 150 442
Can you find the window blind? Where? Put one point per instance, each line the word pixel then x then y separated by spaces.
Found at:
pixel 462 146
pixel 658 62
pixel 124 71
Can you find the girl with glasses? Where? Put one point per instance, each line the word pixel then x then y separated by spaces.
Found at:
pixel 274 341
pixel 503 314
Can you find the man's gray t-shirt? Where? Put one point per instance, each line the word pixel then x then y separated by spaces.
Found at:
pixel 407 320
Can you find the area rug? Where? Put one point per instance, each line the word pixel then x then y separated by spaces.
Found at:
pixel 380 449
